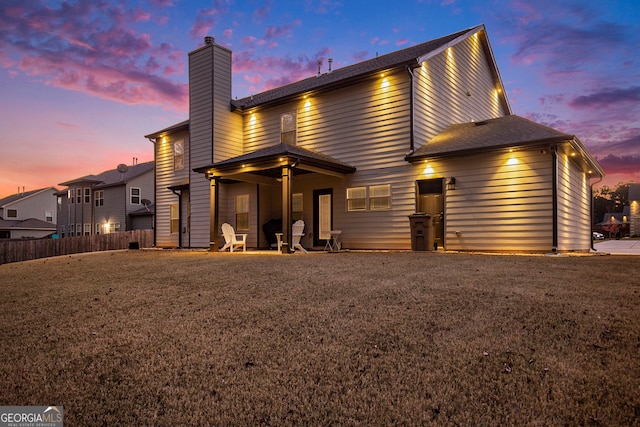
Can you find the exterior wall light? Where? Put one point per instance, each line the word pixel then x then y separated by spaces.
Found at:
pixel 451 184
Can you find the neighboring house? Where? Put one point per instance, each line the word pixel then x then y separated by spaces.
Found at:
pixel 28 214
pixel 104 203
pixel 616 224
pixel 634 210
pixel 360 148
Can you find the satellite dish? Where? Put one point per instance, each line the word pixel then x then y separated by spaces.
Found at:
pixel 145 202
pixel 122 168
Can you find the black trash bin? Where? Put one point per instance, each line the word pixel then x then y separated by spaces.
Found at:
pixel 422 226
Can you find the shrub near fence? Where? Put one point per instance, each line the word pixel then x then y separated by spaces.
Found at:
pixel 23 250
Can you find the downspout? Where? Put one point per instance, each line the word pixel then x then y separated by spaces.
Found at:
pixel 153 221
pixel 411 111
pixel 179 216
pixel 554 196
pixel 592 211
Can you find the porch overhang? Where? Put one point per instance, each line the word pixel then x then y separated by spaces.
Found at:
pixel 277 164
pixel 266 164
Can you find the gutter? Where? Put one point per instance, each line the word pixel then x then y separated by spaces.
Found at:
pixel 179 216
pixel 592 211
pixel 155 196
pixel 554 196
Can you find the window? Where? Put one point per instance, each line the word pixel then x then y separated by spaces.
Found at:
pixel 175 218
pixel 98 227
pixel 12 213
pixel 78 229
pixel 111 228
pixel 59 200
pixel 374 198
pixel 62 230
pixel 178 155
pixel 296 206
pixel 48 216
pixel 99 198
pixel 87 229
pixel 242 212
pixel 135 196
pixel 357 199
pixel 288 127
pixel 78 195
pixel 87 195
pixel 70 197
pixel 380 197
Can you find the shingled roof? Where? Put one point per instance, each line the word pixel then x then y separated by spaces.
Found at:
pixel 503 132
pixel 303 155
pixel 347 75
pixel 113 177
pixel 19 196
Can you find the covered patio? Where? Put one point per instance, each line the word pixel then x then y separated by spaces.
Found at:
pixel 278 164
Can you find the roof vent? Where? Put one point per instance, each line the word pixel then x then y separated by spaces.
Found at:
pixel 319 66
pixel 330 62
pixel 208 40
pixel 482 123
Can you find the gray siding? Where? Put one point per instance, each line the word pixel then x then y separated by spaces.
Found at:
pixel 167 176
pixel 499 206
pixel 215 131
pixel 455 86
pixel 574 207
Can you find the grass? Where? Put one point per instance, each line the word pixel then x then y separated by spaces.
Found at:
pixel 194 338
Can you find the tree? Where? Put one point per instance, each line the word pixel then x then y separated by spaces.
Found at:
pixel 606 200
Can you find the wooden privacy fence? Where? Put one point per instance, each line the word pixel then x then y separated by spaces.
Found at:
pixel 23 250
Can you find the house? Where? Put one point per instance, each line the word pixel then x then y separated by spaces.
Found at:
pixel 361 148
pixel 28 214
pixel 112 201
pixel 634 210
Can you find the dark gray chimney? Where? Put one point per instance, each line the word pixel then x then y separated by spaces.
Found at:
pixel 208 40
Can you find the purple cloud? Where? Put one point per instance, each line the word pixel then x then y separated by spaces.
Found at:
pixel 607 97
pixel 91 47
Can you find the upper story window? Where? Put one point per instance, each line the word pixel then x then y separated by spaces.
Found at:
pixel 98 196
pixel 178 155
pixel 12 213
pixel 135 195
pixel 78 195
pixel 87 195
pixel 48 216
pixel 70 197
pixel 288 127
pixel 59 199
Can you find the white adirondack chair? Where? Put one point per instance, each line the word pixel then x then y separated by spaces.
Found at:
pixel 296 233
pixel 231 238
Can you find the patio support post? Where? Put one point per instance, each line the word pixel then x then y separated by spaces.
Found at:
pixel 214 196
pixel 286 207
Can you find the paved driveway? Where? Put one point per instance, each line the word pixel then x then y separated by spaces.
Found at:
pixel 619 247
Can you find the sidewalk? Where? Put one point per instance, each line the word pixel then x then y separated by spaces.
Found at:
pixel 619 247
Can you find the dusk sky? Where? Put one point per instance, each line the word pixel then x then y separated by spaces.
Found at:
pixel 83 81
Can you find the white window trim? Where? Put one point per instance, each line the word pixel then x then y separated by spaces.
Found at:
pixel 131 195
pixel 368 198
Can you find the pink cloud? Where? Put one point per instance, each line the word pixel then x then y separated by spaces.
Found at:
pixel 402 42
pixel 92 48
